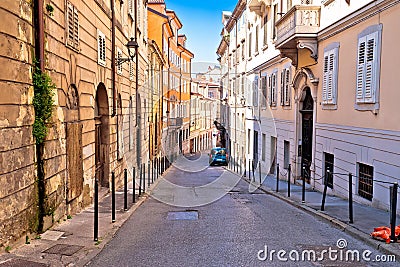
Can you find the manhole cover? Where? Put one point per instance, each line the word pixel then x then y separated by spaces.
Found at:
pixel 63 249
pixel 21 262
pixel 182 215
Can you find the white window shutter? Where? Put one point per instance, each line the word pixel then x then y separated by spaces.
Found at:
pixel 270 90
pixel 287 87
pixel 370 68
pixel 329 91
pixel 325 77
pixel 361 68
pixel 282 86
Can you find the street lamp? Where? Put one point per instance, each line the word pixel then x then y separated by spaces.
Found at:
pixel 131 45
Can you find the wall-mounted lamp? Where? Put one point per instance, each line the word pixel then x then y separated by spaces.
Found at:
pixel 132 46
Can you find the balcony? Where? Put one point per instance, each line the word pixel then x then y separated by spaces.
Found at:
pixel 175 122
pixel 298 29
pixel 259 6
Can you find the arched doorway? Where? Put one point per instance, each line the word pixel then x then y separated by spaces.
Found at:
pixel 102 135
pixel 306 110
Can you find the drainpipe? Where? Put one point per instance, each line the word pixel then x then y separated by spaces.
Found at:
pixel 138 117
pixel 114 91
pixel 39 54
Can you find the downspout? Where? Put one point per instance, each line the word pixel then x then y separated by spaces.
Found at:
pixel 114 92
pixel 39 54
pixel 138 117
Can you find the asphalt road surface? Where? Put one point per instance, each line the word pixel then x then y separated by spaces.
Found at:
pixel 238 229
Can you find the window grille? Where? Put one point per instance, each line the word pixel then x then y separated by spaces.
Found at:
pixel 365 181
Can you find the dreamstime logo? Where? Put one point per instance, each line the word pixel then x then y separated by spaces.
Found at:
pixel 333 254
pixel 243 98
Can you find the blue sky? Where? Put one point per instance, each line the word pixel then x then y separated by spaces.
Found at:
pixel 202 25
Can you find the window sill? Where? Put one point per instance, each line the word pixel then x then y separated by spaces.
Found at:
pixel 374 107
pixel 329 106
pixel 250 58
pixel 256 54
pixel 265 47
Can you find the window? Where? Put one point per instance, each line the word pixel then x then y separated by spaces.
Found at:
pixel 285 87
pixel 368 68
pixel 255 91
pixel 119 66
pixel 131 8
pixel 272 89
pixel 265 40
pixel 365 181
pixel 101 48
pixel 256 41
pixel 249 45
pixel 328 165
pixel 286 154
pixel 275 19
pixel 264 91
pixel 72 27
pixel 243 50
pixel 329 85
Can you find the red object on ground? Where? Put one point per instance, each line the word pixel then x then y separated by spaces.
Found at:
pixel 384 232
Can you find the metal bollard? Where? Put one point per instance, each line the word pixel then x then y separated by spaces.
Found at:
pixel 393 208
pixel 350 198
pixel 148 174
pixel 144 177
pixel 303 187
pixel 252 166
pixel 249 170
pixel 325 188
pixel 112 197
pixel 133 185
pixel 125 189
pixel 259 170
pixel 277 177
pixel 140 179
pixel 288 179
pixel 96 209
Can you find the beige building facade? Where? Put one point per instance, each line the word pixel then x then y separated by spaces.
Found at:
pixel 321 92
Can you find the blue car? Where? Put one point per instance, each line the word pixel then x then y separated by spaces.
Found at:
pixel 218 156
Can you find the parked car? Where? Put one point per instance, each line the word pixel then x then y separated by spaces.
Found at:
pixel 218 155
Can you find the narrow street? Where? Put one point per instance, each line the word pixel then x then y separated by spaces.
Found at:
pixel 232 231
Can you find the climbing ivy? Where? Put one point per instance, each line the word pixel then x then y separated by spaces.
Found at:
pixel 42 102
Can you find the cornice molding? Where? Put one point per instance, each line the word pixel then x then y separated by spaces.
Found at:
pixel 356 17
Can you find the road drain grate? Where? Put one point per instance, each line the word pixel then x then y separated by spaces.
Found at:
pixel 63 249
pixel 190 215
pixel 21 262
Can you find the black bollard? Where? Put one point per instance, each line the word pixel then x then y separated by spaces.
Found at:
pixel 148 174
pixel 288 179
pixel 112 197
pixel 252 168
pixel 277 177
pixel 350 198
pixel 133 185
pixel 140 179
pixel 144 177
pixel 393 208
pixel 259 171
pixel 325 188
pixel 249 170
pixel 125 189
pixel 96 209
pixel 303 188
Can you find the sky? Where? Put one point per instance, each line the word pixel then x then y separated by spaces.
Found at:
pixel 202 25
